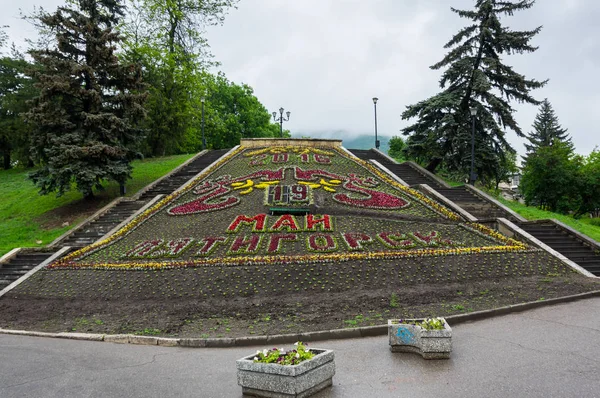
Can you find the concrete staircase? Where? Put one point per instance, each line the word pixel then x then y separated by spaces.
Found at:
pixel 406 172
pixel 477 206
pixel 566 244
pixel 173 182
pixel 19 265
pixel 463 197
pixel 91 232
pixel 563 241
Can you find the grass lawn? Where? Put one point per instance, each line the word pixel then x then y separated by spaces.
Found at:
pixel 582 224
pixel 28 219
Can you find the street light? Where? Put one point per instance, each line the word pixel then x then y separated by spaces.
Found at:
pixel 472 175
pixel 375 99
pixel 202 100
pixel 281 119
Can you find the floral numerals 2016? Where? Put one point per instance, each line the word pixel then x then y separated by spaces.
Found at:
pixel 263 159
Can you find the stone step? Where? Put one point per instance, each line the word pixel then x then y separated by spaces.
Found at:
pixel 590 261
pixel 8 272
pixel 22 261
pixel 578 250
pixel 80 240
pixel 114 220
pixel 565 248
pixel 579 259
pixel 121 210
pixel 558 240
pixel 549 232
pixel 104 222
pixel 594 270
pixel 20 267
pixel 537 227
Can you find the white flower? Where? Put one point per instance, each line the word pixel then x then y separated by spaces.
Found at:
pixel 258 352
pixel 296 343
pixel 256 358
pixel 297 355
pixel 265 351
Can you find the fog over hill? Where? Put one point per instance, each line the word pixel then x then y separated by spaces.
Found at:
pixel 350 141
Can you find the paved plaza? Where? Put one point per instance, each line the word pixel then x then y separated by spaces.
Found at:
pixel 552 351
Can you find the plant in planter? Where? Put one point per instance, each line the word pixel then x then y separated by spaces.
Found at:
pixel 275 373
pixel 431 337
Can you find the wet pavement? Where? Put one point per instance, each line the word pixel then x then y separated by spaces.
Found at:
pixel 552 351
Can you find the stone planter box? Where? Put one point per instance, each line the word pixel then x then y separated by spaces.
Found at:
pixel 431 344
pixel 283 381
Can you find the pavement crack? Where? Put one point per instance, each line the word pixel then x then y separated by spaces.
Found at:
pixel 136 365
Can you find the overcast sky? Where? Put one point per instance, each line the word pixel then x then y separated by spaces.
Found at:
pixel 324 60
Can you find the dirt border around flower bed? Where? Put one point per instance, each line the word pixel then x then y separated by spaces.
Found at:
pixel 334 334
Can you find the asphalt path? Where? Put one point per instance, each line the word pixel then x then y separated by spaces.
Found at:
pixel 547 352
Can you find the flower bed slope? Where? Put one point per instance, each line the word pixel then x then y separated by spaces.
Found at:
pixel 221 218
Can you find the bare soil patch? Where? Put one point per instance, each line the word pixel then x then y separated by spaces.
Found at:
pixel 259 300
pixel 71 213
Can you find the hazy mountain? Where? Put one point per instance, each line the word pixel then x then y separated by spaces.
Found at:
pixel 363 141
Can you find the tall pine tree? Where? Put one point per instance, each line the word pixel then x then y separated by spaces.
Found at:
pixel 89 104
pixel 546 129
pixel 475 77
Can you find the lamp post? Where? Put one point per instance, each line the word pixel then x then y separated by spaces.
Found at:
pixel 375 99
pixel 202 100
pixel 472 175
pixel 281 119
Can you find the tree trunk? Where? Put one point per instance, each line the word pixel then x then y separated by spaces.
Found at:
pixel 433 164
pixel 6 163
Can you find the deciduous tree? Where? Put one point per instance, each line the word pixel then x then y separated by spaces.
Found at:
pixel 397 146
pixel 550 178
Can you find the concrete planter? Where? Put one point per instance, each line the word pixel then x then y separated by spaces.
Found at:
pixel 431 344
pixel 283 381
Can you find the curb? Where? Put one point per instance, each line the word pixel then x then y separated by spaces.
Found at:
pixel 334 334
